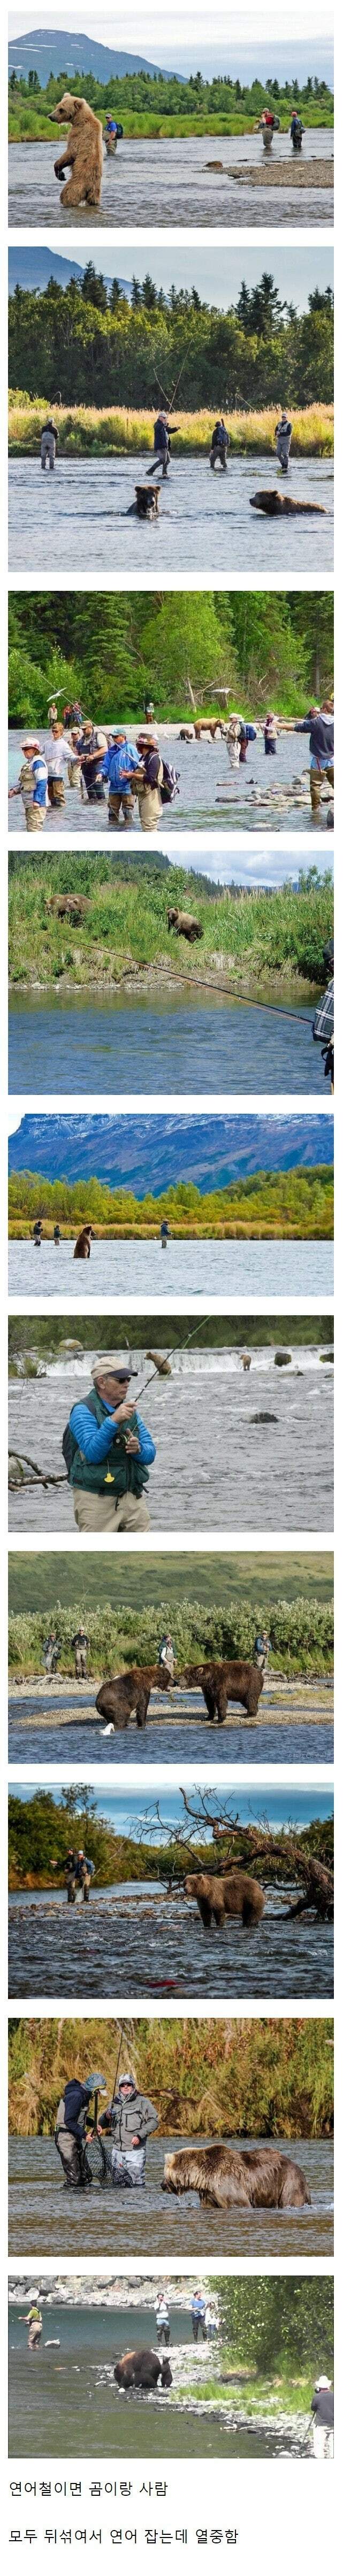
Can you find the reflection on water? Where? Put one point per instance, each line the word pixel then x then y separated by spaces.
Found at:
pixel 186 1269
pixel 205 523
pixel 210 792
pixel 168 182
pixel 252 1474
pixel 43 2212
pixel 65 2402
pixel 142 1941
pixel 67 1742
pixel 160 1042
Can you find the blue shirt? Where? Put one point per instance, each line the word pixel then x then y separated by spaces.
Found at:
pixel 95 1438
pixel 39 774
pixel 118 763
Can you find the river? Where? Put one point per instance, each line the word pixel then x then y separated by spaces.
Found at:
pixel 295 1726
pixel 262 794
pixel 169 182
pixel 204 520
pixel 140 1937
pixel 151 2222
pixel 95 2420
pixel 161 1040
pixel 218 1466
pixel 185 1269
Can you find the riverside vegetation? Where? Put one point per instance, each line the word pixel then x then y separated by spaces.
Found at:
pixel 40 1831
pixel 300 1629
pixel 242 2078
pixel 107 354
pixel 297 1204
pixel 112 650
pixel 247 932
pixel 155 104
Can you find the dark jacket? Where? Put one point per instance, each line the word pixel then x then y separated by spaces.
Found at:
pixel 322 2406
pixel 76 2099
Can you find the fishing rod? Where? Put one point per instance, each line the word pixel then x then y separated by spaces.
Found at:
pixel 169 1355
pixel 206 983
pixel 122 2028
pixel 157 460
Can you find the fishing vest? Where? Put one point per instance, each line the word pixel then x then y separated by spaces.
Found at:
pixel 126 1475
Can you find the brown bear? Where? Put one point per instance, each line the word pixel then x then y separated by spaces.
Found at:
pixel 184 923
pixel 67 907
pixel 143 2370
pixel 217 1897
pixel 127 1695
pixel 82 1247
pixel 252 2178
pixel 222 1682
pixel 83 151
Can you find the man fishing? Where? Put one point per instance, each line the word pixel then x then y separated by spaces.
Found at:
pixel 283 434
pixel 322 2409
pixel 48 445
pixel 108 1452
pixel 166 1653
pixel 79 1871
pixel 164 1232
pixel 261 1649
pixel 297 129
pixel 79 1644
pixel 72 2126
pixel 198 2315
pixel 51 1652
pixel 119 767
pixel 220 444
pixel 319 724
pixel 33 2320
pixel 163 432
pixel 91 747
pixel 32 784
pixel 129 2121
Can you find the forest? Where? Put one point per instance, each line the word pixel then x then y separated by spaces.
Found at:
pixel 234 2077
pixel 43 1334
pixel 87 344
pixel 259 932
pixel 297 1204
pixel 275 2325
pixel 301 1629
pixel 42 1828
pixel 115 648
pixel 150 103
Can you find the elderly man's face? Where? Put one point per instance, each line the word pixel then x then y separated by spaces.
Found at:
pixel 112 1389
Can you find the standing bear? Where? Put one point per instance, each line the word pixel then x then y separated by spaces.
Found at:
pixel 83 151
pixel 217 1897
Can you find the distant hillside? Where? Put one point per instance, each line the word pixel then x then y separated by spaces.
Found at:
pixel 32 268
pixel 53 49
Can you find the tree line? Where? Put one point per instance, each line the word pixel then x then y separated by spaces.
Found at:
pixel 88 344
pixel 113 649
pixel 297 1200
pixel 169 96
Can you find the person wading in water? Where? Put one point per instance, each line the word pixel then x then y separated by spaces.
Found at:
pixel 108 1452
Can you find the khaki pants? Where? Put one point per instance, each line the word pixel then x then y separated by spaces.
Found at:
pixel 56 791
pixel 74 772
pixel 102 1512
pixel 120 807
pixel 150 808
pixel 80 1663
pixel 35 816
pixel 322 2442
pixel 317 781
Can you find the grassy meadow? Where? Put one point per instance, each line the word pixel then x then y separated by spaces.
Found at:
pixel 248 935
pixel 251 2078
pixel 85 430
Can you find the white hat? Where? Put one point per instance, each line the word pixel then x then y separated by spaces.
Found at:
pixel 112 1364
pixel 323 2383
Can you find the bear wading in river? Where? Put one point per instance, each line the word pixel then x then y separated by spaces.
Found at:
pixel 143 2370
pixel 251 2178
pixel 216 1897
pixel 127 1695
pixel 221 1682
pixel 83 151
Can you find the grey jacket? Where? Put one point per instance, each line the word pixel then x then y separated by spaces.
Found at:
pixel 134 2118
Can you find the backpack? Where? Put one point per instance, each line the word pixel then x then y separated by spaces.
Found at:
pixel 170 785
pixel 69 1445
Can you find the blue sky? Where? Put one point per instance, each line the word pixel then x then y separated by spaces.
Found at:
pixel 143 1153
pixel 180 39
pixel 281 1806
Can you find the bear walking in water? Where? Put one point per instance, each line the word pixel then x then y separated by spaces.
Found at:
pixel 222 1682
pixel 254 2177
pixel 217 1897
pixel 143 2370
pixel 83 151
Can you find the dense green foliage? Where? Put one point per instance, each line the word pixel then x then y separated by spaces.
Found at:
pixel 250 932
pixel 40 1831
pixel 296 1203
pixel 130 1582
pixel 264 2078
pixel 301 1630
pixel 113 648
pixel 49 1333
pixel 80 344
pixel 275 2324
pixel 150 103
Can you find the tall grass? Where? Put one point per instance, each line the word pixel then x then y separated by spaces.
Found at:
pixel 248 936
pixel 300 1630
pixel 122 431
pixel 223 2077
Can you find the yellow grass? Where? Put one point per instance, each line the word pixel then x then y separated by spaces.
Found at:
pixel 121 431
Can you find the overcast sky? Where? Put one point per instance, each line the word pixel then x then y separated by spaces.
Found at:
pixel 164 39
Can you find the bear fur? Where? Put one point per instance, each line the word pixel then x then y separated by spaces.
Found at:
pixel 251 2178
pixel 143 2370
pixel 184 923
pixel 216 1897
pixel 222 1682
pixel 67 907
pixel 83 151
pixel 82 1247
pixel 127 1695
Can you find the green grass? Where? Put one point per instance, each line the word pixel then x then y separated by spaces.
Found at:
pixel 35 1581
pixel 27 125
pixel 247 937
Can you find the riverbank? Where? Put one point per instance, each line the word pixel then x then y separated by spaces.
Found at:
pixel 272 940
pixel 26 125
pixel 120 430
pixel 276 174
pixel 238 2077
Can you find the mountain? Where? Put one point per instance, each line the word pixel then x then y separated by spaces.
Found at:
pixel 153 1153
pixel 49 49
pixel 33 267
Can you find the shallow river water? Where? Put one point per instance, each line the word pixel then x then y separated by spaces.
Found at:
pixel 164 1041
pixel 205 524
pixel 237 1472
pixel 186 1269
pixel 51 2417
pixel 48 1730
pixel 139 1938
pixel 162 182
pixel 263 793
pixel 42 2212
